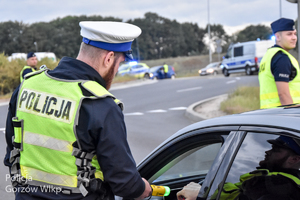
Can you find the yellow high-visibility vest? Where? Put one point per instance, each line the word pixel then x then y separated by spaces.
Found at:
pixel 268 91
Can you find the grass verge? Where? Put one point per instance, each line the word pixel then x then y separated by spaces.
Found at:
pixel 243 99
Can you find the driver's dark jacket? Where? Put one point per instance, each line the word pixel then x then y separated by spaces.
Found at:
pixel 273 187
pixel 101 127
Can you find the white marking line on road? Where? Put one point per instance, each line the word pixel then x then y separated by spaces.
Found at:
pixel 233 81
pixel 178 108
pixel 157 111
pixel 136 113
pixel 237 78
pixel 189 89
pixel 4 103
pixel 3 130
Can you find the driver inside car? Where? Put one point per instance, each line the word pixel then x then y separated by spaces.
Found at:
pixel 277 177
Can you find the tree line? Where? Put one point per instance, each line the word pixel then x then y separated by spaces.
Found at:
pixel 160 38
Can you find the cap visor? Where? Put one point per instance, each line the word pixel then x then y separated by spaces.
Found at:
pixel 128 56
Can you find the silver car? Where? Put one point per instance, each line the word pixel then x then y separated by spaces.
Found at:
pixel 213 68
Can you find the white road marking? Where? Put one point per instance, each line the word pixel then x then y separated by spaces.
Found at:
pixel 233 81
pixel 157 111
pixel 178 108
pixel 4 103
pixel 237 78
pixel 189 89
pixel 136 113
pixel 3 130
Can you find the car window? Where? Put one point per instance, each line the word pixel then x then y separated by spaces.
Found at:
pixel 251 152
pixel 199 162
pixel 257 156
pixel 154 69
pixel 238 51
pixel 229 53
pixel 123 67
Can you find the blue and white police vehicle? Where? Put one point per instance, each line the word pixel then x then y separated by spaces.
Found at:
pixel 245 56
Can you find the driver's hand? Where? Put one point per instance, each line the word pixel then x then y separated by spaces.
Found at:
pixel 189 192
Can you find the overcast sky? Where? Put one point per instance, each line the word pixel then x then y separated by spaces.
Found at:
pixel 232 14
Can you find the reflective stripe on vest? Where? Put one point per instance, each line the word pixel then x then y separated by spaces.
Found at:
pixel 268 91
pixel 21 73
pixel 50 119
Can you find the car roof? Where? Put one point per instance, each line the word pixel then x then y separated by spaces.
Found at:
pixel 287 118
pixel 212 64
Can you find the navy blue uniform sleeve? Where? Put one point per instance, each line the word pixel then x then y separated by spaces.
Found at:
pixel 9 129
pixel 26 71
pixel 281 67
pixel 101 126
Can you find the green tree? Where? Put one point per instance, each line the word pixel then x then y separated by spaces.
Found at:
pixel 252 32
pixel 11 37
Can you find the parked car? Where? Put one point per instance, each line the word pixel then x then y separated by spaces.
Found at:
pixel 212 68
pixel 157 72
pixel 245 56
pixel 219 150
pixel 138 70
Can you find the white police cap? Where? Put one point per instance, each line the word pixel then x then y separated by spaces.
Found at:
pixel 111 36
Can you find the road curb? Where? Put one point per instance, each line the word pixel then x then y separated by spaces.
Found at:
pixel 195 116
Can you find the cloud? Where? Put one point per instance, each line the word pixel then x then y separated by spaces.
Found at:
pixel 229 13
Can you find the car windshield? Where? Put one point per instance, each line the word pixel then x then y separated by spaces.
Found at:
pixel 211 65
pixel 123 67
pixel 154 69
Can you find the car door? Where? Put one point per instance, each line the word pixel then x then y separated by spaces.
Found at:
pixel 186 158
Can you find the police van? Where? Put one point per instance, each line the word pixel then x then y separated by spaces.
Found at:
pixel 245 56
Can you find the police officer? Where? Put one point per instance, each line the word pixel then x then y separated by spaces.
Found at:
pixel 65 133
pixel 279 76
pixel 30 67
pixel 166 69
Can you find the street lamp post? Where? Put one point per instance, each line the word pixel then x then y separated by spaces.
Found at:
pixel 36 48
pixel 280 8
pixel 208 29
pixel 298 31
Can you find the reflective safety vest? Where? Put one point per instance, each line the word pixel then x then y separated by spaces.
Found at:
pixel 166 68
pixel 268 91
pixel 21 73
pixel 45 133
pixel 232 191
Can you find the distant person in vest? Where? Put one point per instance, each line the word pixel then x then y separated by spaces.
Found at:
pixel 66 135
pixel 166 69
pixel 276 178
pixel 30 67
pixel 279 76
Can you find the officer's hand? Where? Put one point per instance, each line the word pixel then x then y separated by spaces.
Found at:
pixel 147 192
pixel 189 192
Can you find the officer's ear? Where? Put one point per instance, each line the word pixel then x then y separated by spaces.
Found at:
pixel 294 160
pixel 278 36
pixel 109 59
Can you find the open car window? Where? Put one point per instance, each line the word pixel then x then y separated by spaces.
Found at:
pixel 194 162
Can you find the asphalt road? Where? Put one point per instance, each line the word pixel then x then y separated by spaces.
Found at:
pixel 154 110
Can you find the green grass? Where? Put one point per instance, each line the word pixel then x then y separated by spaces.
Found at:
pixel 122 79
pixel 245 98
